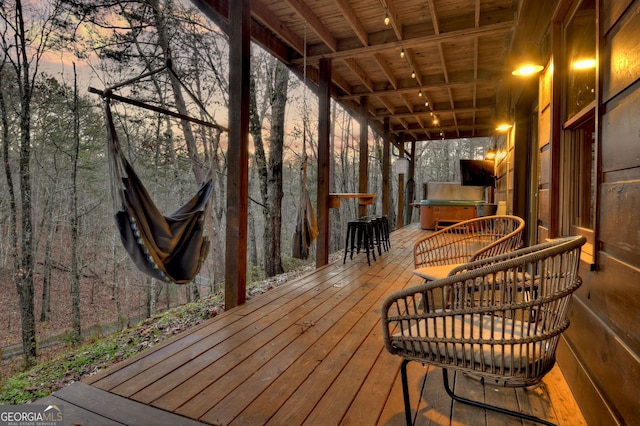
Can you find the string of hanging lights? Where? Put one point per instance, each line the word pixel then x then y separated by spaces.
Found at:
pixel 414 76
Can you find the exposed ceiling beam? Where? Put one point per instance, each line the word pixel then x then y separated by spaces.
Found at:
pixel 353 21
pixel 425 88
pixel 485 30
pixel 440 112
pixel 314 23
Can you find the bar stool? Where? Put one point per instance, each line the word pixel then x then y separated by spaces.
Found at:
pixel 359 235
pixel 376 224
pixel 386 241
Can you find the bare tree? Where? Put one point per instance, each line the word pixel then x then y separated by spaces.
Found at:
pixel 275 76
pixel 23 50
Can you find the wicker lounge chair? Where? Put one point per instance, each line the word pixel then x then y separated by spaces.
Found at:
pixel 502 326
pixel 436 255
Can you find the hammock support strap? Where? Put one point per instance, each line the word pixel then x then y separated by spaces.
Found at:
pixel 110 95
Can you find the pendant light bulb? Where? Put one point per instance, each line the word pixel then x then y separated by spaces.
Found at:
pixel 402 53
pixel 386 19
pixel 413 74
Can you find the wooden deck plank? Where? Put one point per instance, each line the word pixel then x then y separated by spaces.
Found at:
pixel 80 415
pixel 202 384
pixel 311 351
pixel 213 342
pixel 103 408
pixel 269 351
pixel 345 335
pixel 347 385
pixel 435 404
pixel 231 406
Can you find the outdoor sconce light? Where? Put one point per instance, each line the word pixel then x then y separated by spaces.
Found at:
pixel 504 123
pixel 402 165
pixel 528 62
pixel 490 154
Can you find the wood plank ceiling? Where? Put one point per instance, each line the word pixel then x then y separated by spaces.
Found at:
pixel 456 48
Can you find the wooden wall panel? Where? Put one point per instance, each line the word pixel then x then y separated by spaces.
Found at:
pixel 544 88
pixel 543 234
pixel 544 176
pixel 601 358
pixel 582 387
pixel 622 56
pixel 611 12
pixel 544 127
pixel 612 367
pixel 620 209
pixel 609 294
pixel 621 135
pixel 543 207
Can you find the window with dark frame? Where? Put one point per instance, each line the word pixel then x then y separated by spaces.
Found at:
pixel 579 142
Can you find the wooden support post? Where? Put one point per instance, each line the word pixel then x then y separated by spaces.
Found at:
pixel 238 154
pixel 408 212
pixel 324 157
pixel 401 188
pixel 386 166
pixel 363 169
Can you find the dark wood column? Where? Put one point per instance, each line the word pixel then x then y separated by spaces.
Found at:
pixel 324 157
pixel 363 169
pixel 400 216
pixel 386 166
pixel 238 154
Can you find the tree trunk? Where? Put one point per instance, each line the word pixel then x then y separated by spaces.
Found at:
pixel 196 163
pixel 48 255
pixel 75 269
pixel 273 263
pixel 25 272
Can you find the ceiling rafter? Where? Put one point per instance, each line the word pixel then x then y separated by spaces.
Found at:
pixel 385 101
pixel 407 102
pixel 352 64
pixel 353 21
pixel 386 69
pixel 486 30
pixel 425 88
pixel 460 88
pixel 438 112
pixel 390 10
pixel 301 8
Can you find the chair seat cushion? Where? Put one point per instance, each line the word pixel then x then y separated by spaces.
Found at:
pixel 432 273
pixel 481 338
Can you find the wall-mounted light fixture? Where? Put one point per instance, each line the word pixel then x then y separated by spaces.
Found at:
pixel 503 126
pixel 402 165
pixel 490 154
pixel 528 62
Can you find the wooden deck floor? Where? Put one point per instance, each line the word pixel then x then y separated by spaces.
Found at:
pixel 311 352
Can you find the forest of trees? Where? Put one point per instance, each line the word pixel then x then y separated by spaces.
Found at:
pixel 62 267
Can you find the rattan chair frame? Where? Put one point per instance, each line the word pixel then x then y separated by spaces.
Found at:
pixel 502 326
pixel 469 240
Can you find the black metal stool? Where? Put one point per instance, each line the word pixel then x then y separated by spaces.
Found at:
pixel 359 235
pixel 376 224
pixel 386 241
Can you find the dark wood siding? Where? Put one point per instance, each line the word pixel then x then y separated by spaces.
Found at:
pixel 600 360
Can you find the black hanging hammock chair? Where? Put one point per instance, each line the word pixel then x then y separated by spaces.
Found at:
pixel 169 248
